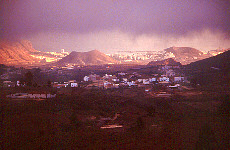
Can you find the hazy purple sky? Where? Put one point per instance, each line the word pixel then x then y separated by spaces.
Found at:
pixel 110 25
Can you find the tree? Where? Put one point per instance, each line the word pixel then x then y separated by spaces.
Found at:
pixel 49 83
pixel 29 78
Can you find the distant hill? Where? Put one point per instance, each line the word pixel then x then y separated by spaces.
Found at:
pixel 17 53
pixel 169 62
pixel 93 57
pixel 186 55
pixel 215 69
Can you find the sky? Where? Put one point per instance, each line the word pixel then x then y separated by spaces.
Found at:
pixel 116 25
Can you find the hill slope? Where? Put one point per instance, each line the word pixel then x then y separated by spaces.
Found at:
pixel 186 55
pixel 213 70
pixel 93 57
pixel 169 62
pixel 17 53
pixel 221 61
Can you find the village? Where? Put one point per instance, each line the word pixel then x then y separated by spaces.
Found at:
pixel 133 83
pixel 161 80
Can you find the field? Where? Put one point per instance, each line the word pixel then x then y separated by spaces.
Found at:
pixel 187 120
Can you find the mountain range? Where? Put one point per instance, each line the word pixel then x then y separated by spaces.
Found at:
pixel 93 57
pixel 22 53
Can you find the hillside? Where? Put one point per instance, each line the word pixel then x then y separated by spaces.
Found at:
pixel 217 51
pixel 93 57
pixel 186 55
pixel 169 62
pixel 213 70
pixel 17 53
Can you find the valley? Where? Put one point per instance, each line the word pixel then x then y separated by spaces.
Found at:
pixel 156 106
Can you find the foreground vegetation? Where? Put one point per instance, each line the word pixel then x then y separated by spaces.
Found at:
pixel 73 121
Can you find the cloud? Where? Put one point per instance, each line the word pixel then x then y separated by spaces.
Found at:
pixel 115 40
pixel 149 18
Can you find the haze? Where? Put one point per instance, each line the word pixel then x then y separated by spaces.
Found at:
pixel 112 25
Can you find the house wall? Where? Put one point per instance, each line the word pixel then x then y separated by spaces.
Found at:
pixel 178 79
pixel 25 95
pixel 164 79
pixel 74 85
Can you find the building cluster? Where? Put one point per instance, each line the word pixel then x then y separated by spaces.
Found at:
pixel 50 56
pixel 10 74
pixel 129 56
pixel 70 83
pixel 167 75
pixel 128 80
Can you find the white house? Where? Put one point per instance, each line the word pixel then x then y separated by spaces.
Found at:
pixel 140 80
pixel 110 85
pixel 178 79
pixel 115 80
pixel 164 79
pixel 121 74
pixel 132 83
pixel 107 76
pixel 145 81
pixel 125 79
pixel 106 83
pixel 74 84
pixel 18 83
pixel 152 79
pixel 86 78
